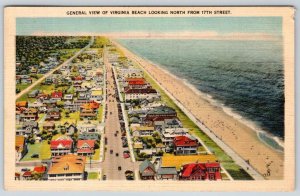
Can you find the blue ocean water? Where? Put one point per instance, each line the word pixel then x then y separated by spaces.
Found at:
pixel 246 77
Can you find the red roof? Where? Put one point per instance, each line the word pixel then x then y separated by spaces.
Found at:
pixel 79 78
pixel 91 143
pixel 27 174
pixel 189 169
pixel 140 91
pixel 65 143
pixel 139 81
pixel 39 169
pixel 57 95
pixel 184 141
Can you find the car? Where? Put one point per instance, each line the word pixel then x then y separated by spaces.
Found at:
pixel 129 175
pixel 111 151
pixel 117 154
pixel 115 135
pixel 119 168
pixel 126 155
pixel 104 177
pixel 35 156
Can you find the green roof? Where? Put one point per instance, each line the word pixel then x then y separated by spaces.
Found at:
pixel 162 110
pixel 166 170
pixel 146 164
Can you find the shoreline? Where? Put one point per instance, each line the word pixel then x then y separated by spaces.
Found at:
pixel 234 133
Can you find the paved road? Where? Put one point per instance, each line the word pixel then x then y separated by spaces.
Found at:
pixel 111 161
pixel 53 70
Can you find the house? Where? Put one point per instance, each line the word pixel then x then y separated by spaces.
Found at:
pixel 166 173
pixel 24 79
pixel 35 104
pixel 49 125
pixel 27 175
pixel 40 169
pixel 21 104
pixel 140 131
pixel 91 105
pixel 89 136
pixel 29 127
pixel 167 124
pixel 185 145
pixel 84 96
pixel 53 114
pixel 29 114
pixel 138 145
pixel 96 95
pixel 88 113
pixel 135 81
pixel 20 147
pixel 159 114
pixel 134 94
pixel 70 106
pixel 71 129
pixel 68 167
pixel 88 127
pixel 68 97
pixel 78 103
pixel 201 171
pixel 57 96
pixel 85 147
pixel 61 146
pixel 146 170
pixel 168 135
pixel 33 94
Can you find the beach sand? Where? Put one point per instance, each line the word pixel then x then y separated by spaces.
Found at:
pixel 240 137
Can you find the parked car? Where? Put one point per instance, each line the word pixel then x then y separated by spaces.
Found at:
pixel 35 156
pixel 129 175
pixel 104 177
pixel 126 155
pixel 119 168
pixel 111 151
pixel 117 154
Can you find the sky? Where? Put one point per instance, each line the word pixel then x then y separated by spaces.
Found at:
pixel 204 26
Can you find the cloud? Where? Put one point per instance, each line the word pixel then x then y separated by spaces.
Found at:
pixel 205 35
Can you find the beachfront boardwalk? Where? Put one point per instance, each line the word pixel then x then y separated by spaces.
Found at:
pixel 236 157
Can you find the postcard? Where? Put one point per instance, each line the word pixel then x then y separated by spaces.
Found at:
pixel 149 98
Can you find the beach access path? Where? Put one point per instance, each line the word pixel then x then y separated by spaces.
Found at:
pixel 235 156
pixel 23 92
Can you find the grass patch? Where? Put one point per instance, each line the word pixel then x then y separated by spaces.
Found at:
pixel 93 176
pixel 95 157
pixel 43 149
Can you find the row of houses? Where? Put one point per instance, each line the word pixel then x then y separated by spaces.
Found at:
pixel 175 154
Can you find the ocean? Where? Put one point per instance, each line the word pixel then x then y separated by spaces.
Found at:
pixel 244 78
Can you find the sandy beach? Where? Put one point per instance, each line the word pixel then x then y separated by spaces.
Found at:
pixel 240 137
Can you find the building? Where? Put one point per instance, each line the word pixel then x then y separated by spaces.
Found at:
pixel 96 95
pixel 61 146
pixel 166 173
pixel 201 171
pixel 88 113
pixel 53 114
pixel 147 170
pixel 184 145
pixel 85 147
pixel 49 125
pixel 134 94
pixel 88 127
pixel 68 167
pixel 29 114
pixel 57 96
pixel 20 147
pixel 140 131
pixel 169 134
pixel 160 113
pixel 33 94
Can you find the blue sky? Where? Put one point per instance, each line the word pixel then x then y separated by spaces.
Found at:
pixel 221 25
